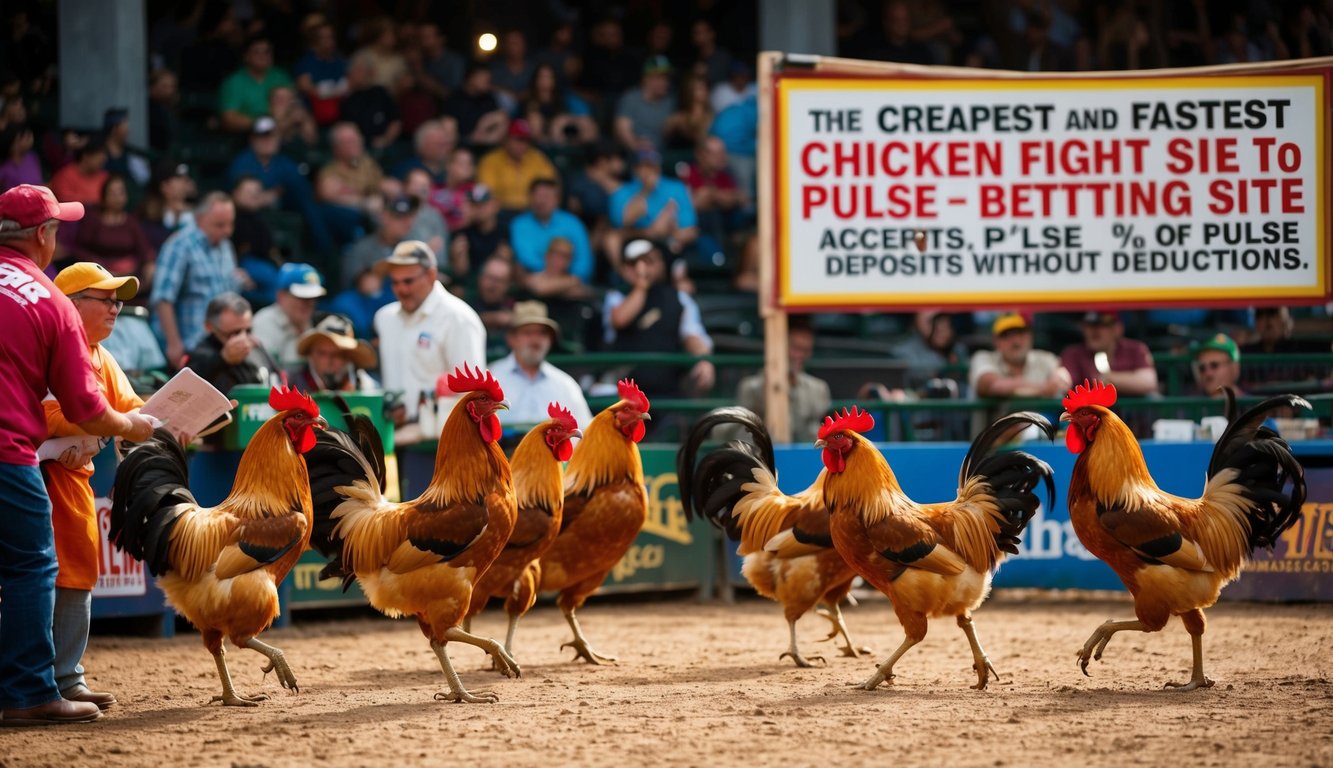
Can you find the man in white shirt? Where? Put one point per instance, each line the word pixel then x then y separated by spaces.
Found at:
pixel 529 382
pixel 427 333
pixel 279 326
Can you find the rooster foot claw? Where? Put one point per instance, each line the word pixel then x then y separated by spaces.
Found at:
pixel 1093 649
pixel 875 681
pixel 286 678
pixel 801 661
pixel 582 651
pixel 984 674
pixel 855 653
pixel 468 697
pixel 1191 685
pixel 237 700
pixel 502 662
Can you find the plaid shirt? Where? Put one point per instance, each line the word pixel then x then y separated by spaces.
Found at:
pixel 190 272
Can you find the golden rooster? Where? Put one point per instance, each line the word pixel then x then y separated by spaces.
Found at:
pixel 606 504
pixel 1174 554
pixel 785 540
pixel 220 566
pixel 538 470
pixel 423 557
pixel 930 559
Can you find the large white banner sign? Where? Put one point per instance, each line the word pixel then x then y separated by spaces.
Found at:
pixel 899 193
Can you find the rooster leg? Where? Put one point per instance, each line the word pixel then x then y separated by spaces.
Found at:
pixel 834 615
pixel 277 662
pixel 509 634
pixel 980 662
pixel 457 693
pixel 229 697
pixel 885 671
pixel 1097 643
pixel 504 662
pixel 795 653
pixel 1197 679
pixel 580 643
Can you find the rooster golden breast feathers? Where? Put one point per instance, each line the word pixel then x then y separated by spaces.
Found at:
pixel 1175 554
pixel 220 566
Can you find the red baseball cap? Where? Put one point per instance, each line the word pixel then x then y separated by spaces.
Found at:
pixel 520 129
pixel 30 205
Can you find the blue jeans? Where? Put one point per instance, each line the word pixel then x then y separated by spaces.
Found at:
pixel 27 589
pixel 73 614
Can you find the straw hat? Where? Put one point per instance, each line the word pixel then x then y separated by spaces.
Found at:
pixel 338 330
pixel 533 313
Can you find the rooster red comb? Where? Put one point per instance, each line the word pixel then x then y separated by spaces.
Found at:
pixel 288 399
pixel 852 418
pixel 475 380
pixel 630 393
pixel 561 413
pixel 1090 393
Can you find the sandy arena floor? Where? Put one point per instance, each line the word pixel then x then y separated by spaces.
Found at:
pixel 702 685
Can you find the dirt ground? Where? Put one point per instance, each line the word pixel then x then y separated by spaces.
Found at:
pixel 701 684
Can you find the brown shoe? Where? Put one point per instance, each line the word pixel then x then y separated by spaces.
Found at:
pixel 81 692
pixel 51 713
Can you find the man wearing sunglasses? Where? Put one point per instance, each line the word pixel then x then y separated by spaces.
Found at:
pixel 1216 365
pixel 230 354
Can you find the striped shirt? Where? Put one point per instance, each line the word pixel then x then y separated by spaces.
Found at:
pixel 190 272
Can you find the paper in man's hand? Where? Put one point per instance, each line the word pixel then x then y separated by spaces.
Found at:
pixel 187 404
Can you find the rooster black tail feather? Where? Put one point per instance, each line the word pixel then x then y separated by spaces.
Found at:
pixel 151 492
pixel 1012 475
pixel 733 462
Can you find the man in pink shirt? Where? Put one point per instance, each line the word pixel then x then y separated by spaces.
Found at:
pixel 43 350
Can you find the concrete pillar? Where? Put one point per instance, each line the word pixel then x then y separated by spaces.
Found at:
pixel 104 63
pixel 798 26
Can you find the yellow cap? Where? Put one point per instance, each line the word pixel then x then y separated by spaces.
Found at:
pixel 1009 322
pixel 87 274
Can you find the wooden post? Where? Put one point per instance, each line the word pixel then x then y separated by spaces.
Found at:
pixel 777 404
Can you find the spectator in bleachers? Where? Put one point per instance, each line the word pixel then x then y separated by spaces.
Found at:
pixel 653 316
pixel 1273 328
pixel 167 202
pixel 493 298
pixel 738 127
pixel 689 124
pixel 321 74
pixel 1038 52
pixel 207 61
pixel 659 41
pixel 18 163
pixel 335 359
pixel 654 207
pixel 284 185
pixel 442 69
pixel 481 239
pixel 416 104
pixel 566 295
pixel 379 51
pixel 1014 368
pixel 557 117
pixel 252 241
pixel 244 95
pixel 531 231
pixel 368 293
pixel 81 181
pixel 592 186
pixel 934 26
pixel 113 237
pixel 1216 365
pixel 711 61
pixel 454 199
pixel 530 383
pixel 120 159
pixel 279 326
pixel 369 105
pixel 932 346
pixel 809 398
pixel 194 265
pixel 561 55
pixel 509 170
pixel 428 225
pixel 738 86
pixel 163 98
pixel 228 354
pixel 609 69
pixel 296 127
pixel 1106 354
pixel 133 344
pixel 349 184
pixel 435 141
pixel 641 113
pixel 896 42
pixel 511 71
pixel 474 107
pixel 30 52
pixel 395 221
pixel 714 192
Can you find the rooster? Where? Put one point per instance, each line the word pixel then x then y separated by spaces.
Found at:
pixel 930 559
pixel 423 557
pixel 538 470
pixel 220 567
pixel 1174 554
pixel 789 554
pixel 606 504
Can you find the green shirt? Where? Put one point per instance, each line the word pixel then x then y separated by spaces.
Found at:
pixel 244 94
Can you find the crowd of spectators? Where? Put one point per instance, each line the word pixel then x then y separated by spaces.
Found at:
pixel 326 139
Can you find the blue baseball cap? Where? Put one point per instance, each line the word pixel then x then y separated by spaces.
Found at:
pixel 301 280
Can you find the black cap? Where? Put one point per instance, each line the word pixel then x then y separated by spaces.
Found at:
pixel 402 205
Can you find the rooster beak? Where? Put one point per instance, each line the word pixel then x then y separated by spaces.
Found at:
pixel 821 444
pixel 645 417
pixel 503 405
pixel 1065 417
pixel 577 433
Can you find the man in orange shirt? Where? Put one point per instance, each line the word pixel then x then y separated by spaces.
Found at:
pixel 98 296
